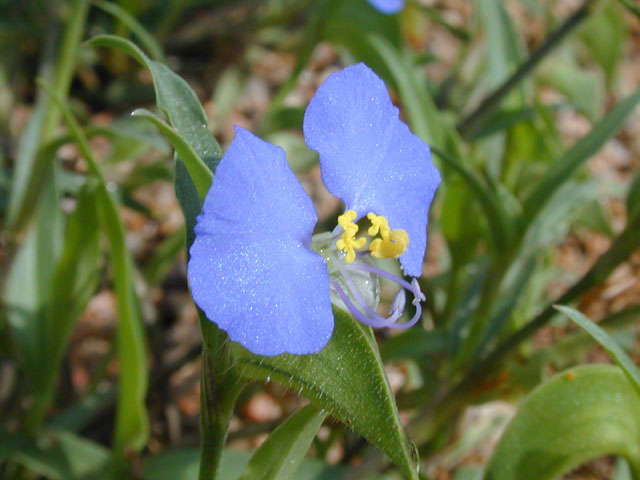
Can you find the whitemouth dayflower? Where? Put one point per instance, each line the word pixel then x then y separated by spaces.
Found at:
pixel 255 269
pixel 388 6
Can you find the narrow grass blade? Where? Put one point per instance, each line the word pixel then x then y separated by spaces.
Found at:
pixel 198 171
pixel 146 39
pixel 560 171
pixel 280 455
pixel 613 349
pixel 132 424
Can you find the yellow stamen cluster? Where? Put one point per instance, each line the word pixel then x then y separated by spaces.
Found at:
pixel 348 242
pixel 391 244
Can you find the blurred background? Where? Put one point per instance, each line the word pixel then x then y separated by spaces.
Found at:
pixel 502 88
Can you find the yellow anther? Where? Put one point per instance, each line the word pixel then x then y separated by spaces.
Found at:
pixel 392 242
pixel 378 224
pixel 348 243
pixel 391 247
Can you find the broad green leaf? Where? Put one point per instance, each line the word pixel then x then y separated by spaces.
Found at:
pixel 132 423
pixel 584 148
pixel 609 344
pixel 578 415
pixel 280 455
pixel 347 379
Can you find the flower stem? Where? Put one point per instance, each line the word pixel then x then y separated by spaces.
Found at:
pixel 490 103
pixel 220 387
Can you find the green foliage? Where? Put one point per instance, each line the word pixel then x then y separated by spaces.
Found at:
pixel 279 457
pixel 132 424
pixel 609 344
pixel 513 189
pixel 347 379
pixel 579 414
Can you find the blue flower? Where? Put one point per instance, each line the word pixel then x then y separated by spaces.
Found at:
pixel 255 269
pixel 387 6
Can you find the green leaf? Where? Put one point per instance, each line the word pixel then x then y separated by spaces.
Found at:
pixel 300 157
pixel 424 118
pixel 183 465
pixel 631 7
pixel 58 455
pixel 186 116
pixel 72 284
pixel 27 296
pixel 609 344
pixel 503 52
pixel 347 379
pixel 147 40
pixel 633 198
pixel 132 423
pixel 584 148
pixel 280 455
pixel 500 225
pixel 577 415
pixel 414 343
pixel 604 35
pixel 199 172
pixel 503 119
pixel 460 221
pixel 584 89
pixel 164 258
pixel 174 97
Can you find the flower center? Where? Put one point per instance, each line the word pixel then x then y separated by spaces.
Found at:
pixel 354 280
pixel 389 244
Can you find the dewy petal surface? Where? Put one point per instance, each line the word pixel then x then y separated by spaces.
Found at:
pixel 251 270
pixel 387 6
pixel 369 157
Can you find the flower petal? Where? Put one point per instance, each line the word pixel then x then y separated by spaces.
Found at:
pixel 387 6
pixel 369 158
pixel 251 270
